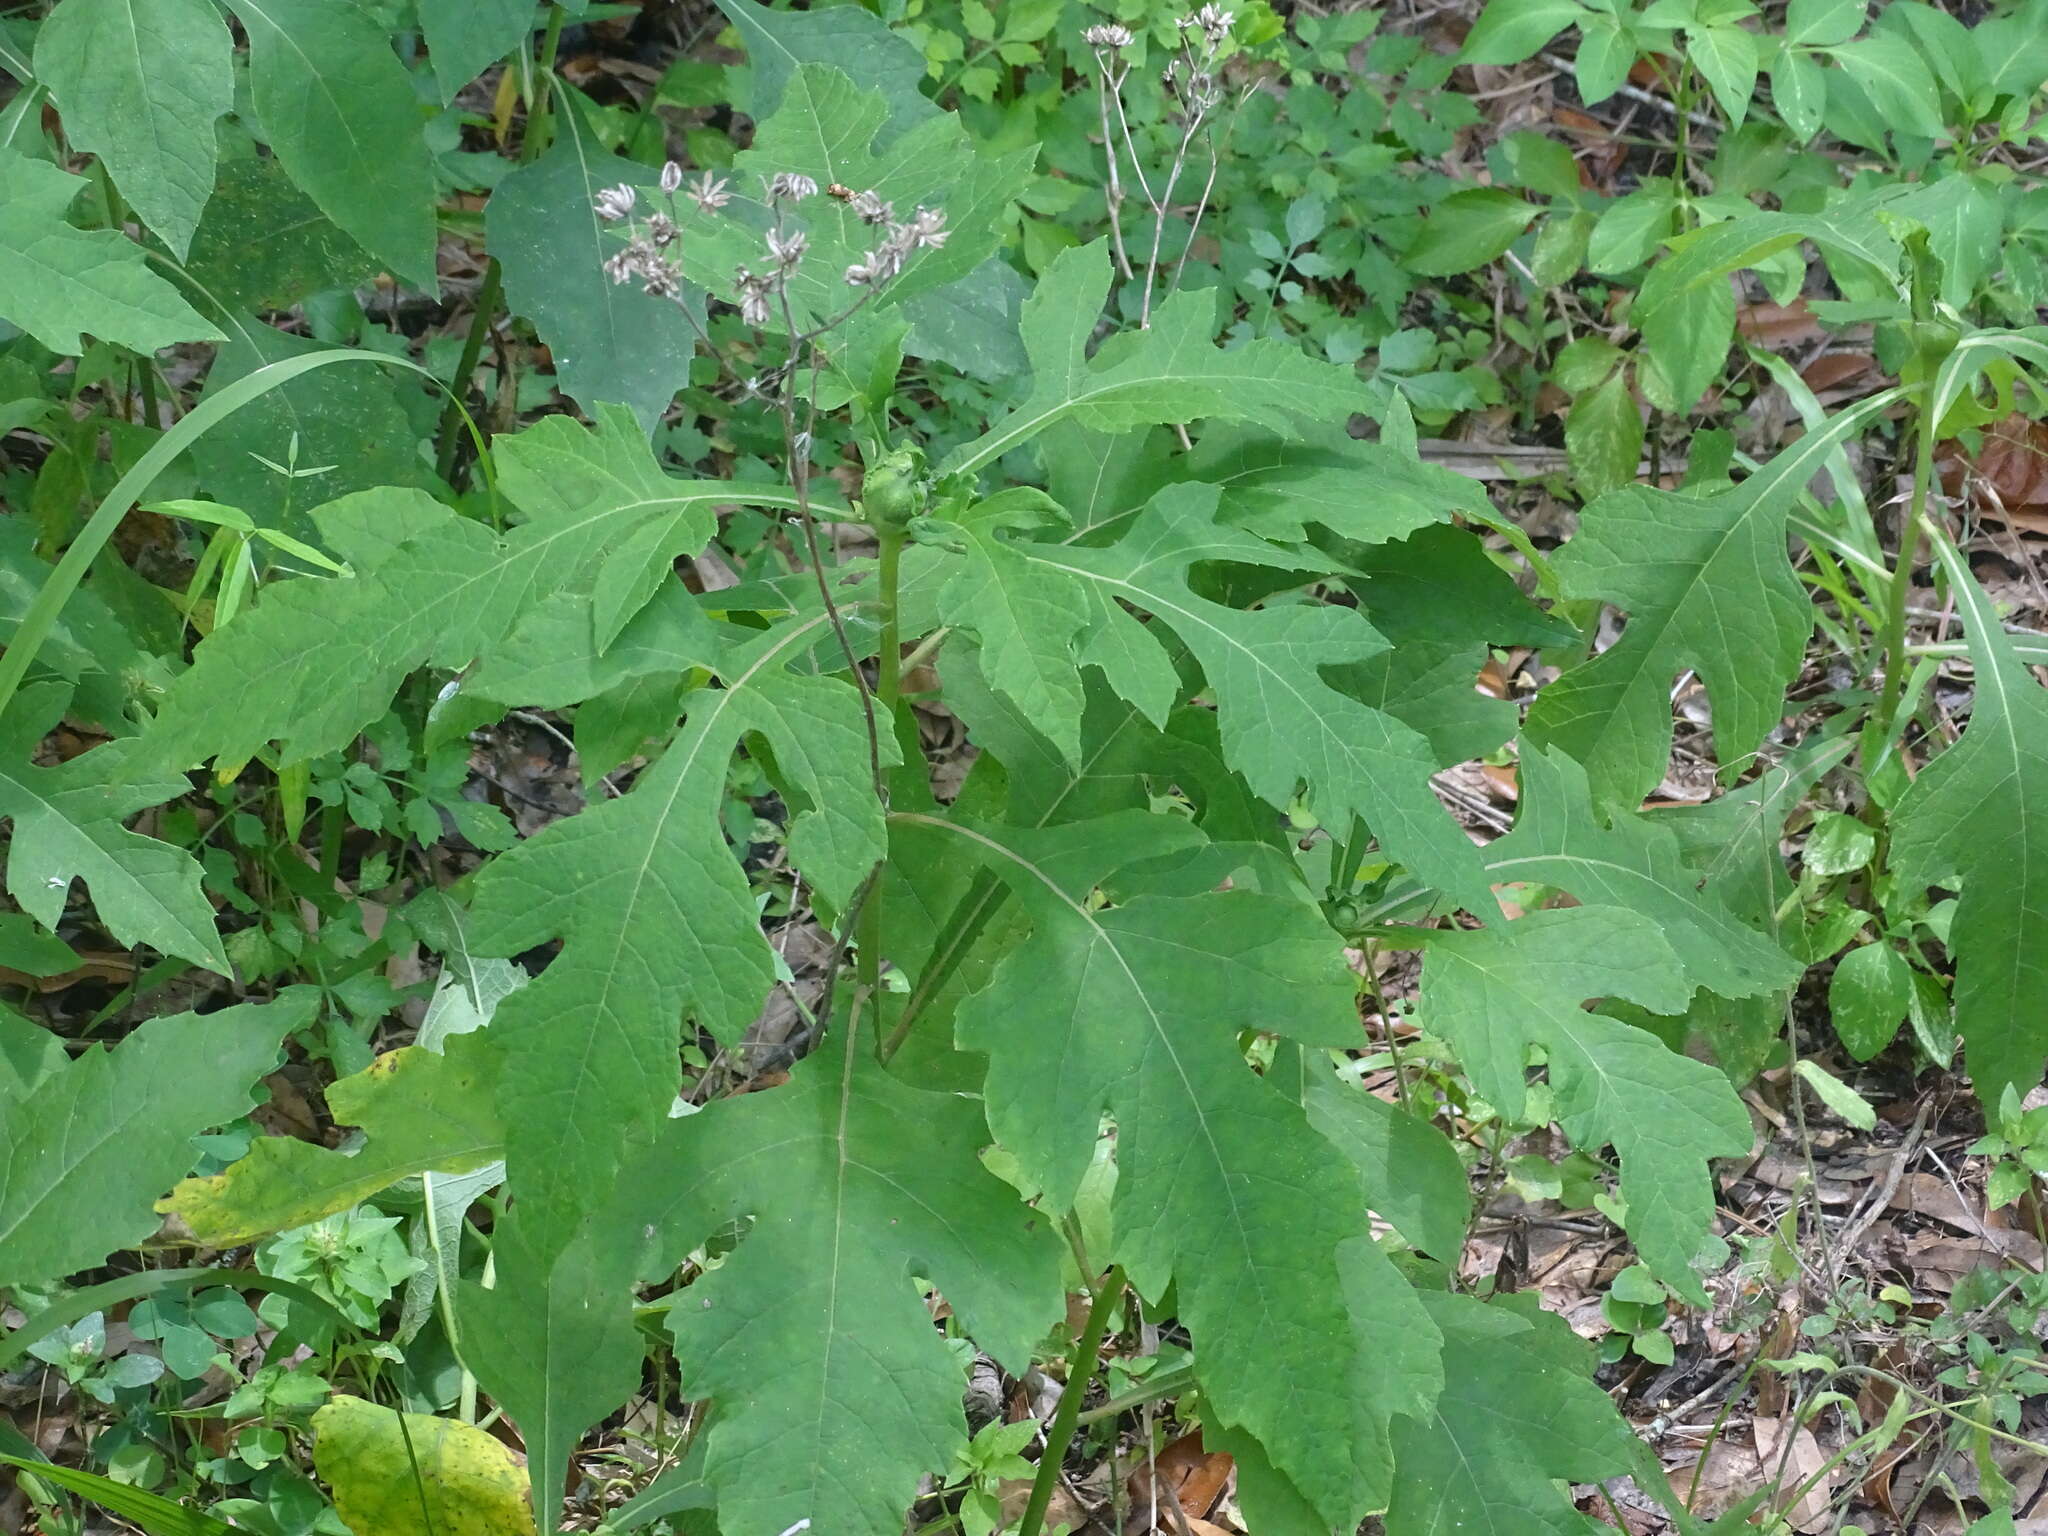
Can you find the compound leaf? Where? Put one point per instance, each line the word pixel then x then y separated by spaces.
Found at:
pixel 141 84
pixel 83 1156
pixel 1496 993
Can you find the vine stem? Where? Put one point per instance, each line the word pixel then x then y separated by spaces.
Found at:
pixel 1066 1418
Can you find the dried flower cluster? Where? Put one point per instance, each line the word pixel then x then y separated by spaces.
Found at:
pixel 652 254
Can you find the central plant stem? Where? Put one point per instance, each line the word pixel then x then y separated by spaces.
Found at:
pixel 888 688
pixel 1080 1371
pixel 1902 578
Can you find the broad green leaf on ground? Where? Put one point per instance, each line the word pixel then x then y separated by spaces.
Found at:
pixel 57 281
pixel 466 37
pixel 1497 993
pixel 416 1111
pixel 1707 583
pixel 339 112
pixel 1282 725
pixel 611 342
pixel 1224 1190
pixel 831 1390
pixel 350 424
pixel 263 244
pixel 85 1154
pixel 317 659
pixel 1412 1175
pixel 1631 860
pixel 140 84
pixel 847 37
pixel 1979 812
pixel 1519 1414
pixel 423 1476
pixel 67 825
pixel 1172 373
pixel 657 919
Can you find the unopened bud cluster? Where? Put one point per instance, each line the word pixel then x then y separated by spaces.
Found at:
pixel 652 254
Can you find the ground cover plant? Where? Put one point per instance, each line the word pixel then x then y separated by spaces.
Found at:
pixel 1022 768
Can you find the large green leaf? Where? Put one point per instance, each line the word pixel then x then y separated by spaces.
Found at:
pixel 834 129
pixel 263 244
pixel 1497 993
pixel 1172 372
pixel 339 112
pixel 848 37
pixel 83 1156
pixel 466 37
pixel 1980 811
pixel 658 921
pixel 416 1109
pixel 1282 725
pixel 1304 1337
pixel 140 84
pixel 57 281
pixel 67 826
pixel 854 1183
pixel 316 660
pixel 350 429
pixel 1518 1410
pixel 610 341
pixel 1708 584
pixel 1635 861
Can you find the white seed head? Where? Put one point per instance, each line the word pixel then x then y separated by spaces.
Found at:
pixel 671 179
pixel 869 208
pixel 710 194
pixel 786 250
pixel 661 229
pixel 928 229
pixel 1108 35
pixel 614 203
pixel 790 186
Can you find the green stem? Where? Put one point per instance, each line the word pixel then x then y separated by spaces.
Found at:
pixel 1900 596
pixel 888 688
pixel 1066 1418
pixel 1165 1384
pixel 537 110
pixel 450 434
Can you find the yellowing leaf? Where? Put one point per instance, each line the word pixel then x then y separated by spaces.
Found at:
pixel 417 1475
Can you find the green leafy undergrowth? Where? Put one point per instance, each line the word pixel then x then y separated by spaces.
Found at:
pixel 1088 724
